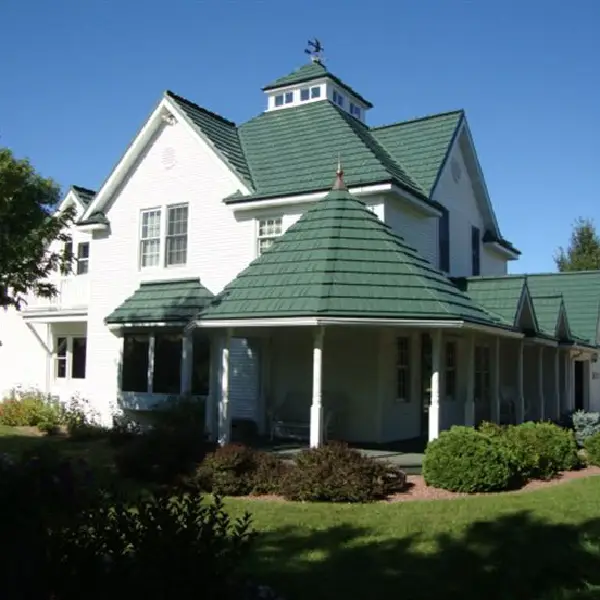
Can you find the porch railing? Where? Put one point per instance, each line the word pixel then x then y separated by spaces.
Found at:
pixel 73 293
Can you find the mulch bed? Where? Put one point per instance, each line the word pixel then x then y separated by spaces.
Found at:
pixel 417 490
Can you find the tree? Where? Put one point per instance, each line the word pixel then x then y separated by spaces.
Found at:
pixel 29 223
pixel 583 252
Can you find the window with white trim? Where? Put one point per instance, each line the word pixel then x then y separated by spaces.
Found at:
pixel 83 258
pixel 60 358
pixel 355 110
pixel 67 255
pixel 315 92
pixel 177 235
pixel 279 100
pixel 289 97
pixel 70 357
pixel 403 369
pixel 338 98
pixel 304 94
pixel 269 229
pixel 450 371
pixel 150 238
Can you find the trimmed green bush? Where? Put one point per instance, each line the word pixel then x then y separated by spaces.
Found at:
pixel 336 473
pixel 237 470
pixel 542 450
pixel 463 459
pixel 592 448
pixel 30 408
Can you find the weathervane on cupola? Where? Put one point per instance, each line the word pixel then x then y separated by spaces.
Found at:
pixel 315 50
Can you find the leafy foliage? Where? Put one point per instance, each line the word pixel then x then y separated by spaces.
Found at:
pixel 336 473
pixel 170 449
pixel 237 470
pixel 542 450
pixel 585 424
pixel 592 448
pixel 463 459
pixel 81 420
pixel 583 252
pixel 27 227
pixel 30 408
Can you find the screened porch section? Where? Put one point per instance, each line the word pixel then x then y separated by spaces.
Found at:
pixel 152 368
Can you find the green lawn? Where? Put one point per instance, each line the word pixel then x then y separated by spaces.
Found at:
pixel 542 544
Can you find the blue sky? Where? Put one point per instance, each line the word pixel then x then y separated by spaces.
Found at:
pixel 80 77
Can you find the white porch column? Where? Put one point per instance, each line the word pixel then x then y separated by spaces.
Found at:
pixel 520 408
pixel 495 377
pixel 436 364
pixel 224 412
pixel 316 408
pixel 541 383
pixel 557 382
pixel 470 382
pixel 187 363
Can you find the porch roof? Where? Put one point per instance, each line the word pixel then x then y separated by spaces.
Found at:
pixel 174 301
pixel 340 260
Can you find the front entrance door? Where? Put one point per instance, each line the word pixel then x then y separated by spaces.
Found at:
pixel 579 384
pixel 425 390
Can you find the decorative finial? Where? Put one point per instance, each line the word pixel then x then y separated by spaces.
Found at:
pixel 339 177
pixel 315 50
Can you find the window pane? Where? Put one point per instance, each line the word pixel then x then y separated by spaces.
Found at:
pixel 135 363
pixel 289 97
pixel 304 94
pixel 475 243
pixel 444 241
pixel 79 353
pixel 83 250
pixel 82 267
pixel 177 250
pixel 177 219
pixel 201 366
pixel 167 364
pixel 150 250
pixel 279 100
pixel 314 92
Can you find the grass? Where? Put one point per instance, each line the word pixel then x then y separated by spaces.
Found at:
pixel 543 544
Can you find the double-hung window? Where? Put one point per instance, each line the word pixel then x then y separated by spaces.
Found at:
pixel 83 258
pixel 69 357
pixel 150 238
pixel 177 235
pixel 269 229
pixel 164 236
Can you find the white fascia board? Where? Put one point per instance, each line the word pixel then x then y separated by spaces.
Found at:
pixel 305 198
pixel 128 159
pixel 417 203
pixel 496 247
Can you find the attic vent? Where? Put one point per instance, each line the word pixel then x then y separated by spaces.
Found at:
pixel 455 170
pixel 169 159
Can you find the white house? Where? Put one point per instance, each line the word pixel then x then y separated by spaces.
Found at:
pixel 385 312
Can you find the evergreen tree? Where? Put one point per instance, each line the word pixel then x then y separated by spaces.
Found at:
pixel 583 251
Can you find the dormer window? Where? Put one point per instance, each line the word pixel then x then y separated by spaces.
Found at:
pixel 279 100
pixel 338 99
pixel 304 94
pixel 315 92
pixel 354 110
pixel 289 97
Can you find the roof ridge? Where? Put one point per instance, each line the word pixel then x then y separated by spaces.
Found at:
pixel 417 119
pixel 174 96
pixel 374 142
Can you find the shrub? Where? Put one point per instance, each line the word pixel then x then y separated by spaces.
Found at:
pixel 29 408
pixel 592 448
pixel 463 459
pixel 116 551
pixel 124 430
pixel 82 421
pixel 336 473
pixel 585 424
pixel 542 450
pixel 237 470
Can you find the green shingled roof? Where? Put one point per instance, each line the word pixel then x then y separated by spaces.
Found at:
pixel 312 70
pixel 175 301
pixel 581 293
pixel 340 260
pixel 547 311
pixel 421 145
pixel 295 150
pixel 221 132
pixel 84 195
pixel 500 297
pixel 96 218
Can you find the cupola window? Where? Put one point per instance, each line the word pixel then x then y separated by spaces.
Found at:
pixel 338 98
pixel 354 110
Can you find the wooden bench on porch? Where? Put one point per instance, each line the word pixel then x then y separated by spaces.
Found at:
pixel 289 418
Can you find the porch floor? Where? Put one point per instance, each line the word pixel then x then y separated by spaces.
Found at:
pixel 406 454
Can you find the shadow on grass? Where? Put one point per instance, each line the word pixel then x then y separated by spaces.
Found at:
pixel 513 557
